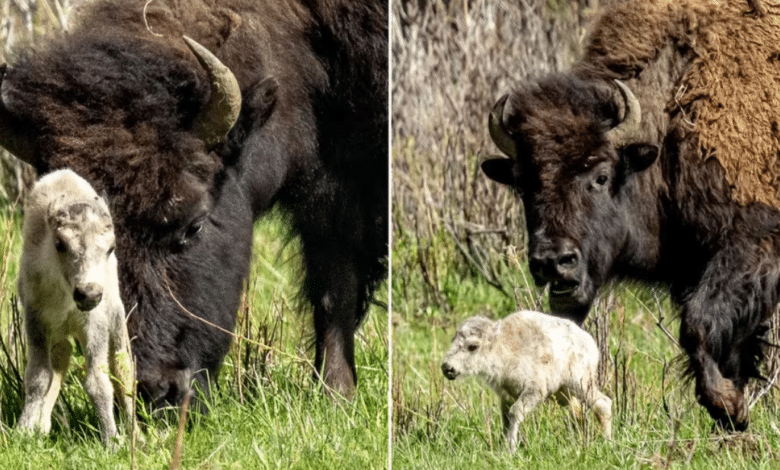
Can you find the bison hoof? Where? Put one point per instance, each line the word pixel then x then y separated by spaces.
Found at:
pixel 730 424
pixel 726 404
pixel 338 383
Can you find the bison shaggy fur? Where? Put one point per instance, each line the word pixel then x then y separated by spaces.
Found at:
pixel 661 177
pixel 120 101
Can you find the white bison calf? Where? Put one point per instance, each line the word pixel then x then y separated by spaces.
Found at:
pixel 68 286
pixel 525 358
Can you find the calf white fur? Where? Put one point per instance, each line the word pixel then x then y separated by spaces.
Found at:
pixel 68 286
pixel 525 358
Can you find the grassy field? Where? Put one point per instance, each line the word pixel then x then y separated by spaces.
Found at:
pixel 266 414
pixel 656 420
pixel 459 250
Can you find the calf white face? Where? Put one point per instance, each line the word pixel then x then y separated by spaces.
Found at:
pixel 83 244
pixel 466 356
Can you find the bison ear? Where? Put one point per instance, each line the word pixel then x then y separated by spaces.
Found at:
pixel 502 170
pixel 261 100
pixel 639 157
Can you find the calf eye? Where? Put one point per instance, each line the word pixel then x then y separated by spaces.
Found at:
pixel 472 347
pixel 59 245
pixel 111 250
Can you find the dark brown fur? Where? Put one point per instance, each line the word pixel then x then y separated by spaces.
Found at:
pixel 116 101
pixel 658 208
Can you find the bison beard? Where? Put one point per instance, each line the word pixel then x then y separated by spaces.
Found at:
pixel 652 205
pixel 123 101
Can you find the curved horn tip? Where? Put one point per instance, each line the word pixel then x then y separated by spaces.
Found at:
pixel 498 132
pixel 632 116
pixel 222 110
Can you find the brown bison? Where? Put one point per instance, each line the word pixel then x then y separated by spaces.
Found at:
pixel 665 176
pixel 270 103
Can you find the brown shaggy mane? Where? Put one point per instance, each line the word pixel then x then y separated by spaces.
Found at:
pixel 729 93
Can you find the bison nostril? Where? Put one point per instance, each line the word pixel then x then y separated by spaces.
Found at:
pixel 568 260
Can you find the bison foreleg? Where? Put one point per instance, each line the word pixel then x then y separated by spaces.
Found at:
pixel 722 322
pixel 722 398
pixel 333 285
pixel 335 358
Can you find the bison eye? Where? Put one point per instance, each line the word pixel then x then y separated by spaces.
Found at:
pixel 59 245
pixel 190 233
pixel 472 347
pixel 601 180
pixel 193 229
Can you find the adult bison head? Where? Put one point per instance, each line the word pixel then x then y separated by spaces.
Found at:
pixel 145 120
pixel 145 136
pixel 576 176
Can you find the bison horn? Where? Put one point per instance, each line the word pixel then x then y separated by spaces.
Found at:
pixel 631 117
pixel 497 130
pixel 12 136
pixel 221 112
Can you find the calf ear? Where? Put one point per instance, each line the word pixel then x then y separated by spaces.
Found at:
pixel 639 157
pixel 502 170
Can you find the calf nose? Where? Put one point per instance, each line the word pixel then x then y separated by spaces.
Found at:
pixel 448 371
pixel 555 263
pixel 88 296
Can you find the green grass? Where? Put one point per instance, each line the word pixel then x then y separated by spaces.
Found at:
pixel 656 420
pixel 267 412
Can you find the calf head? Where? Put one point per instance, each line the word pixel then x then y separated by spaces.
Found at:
pixel 466 355
pixel 574 173
pixel 82 237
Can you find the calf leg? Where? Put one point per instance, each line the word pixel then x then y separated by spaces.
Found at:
pixel 586 391
pixel 515 413
pixel 98 381
pixel 602 406
pixel 42 381
pixel 121 363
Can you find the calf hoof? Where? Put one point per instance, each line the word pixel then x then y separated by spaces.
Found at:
pixel 114 443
